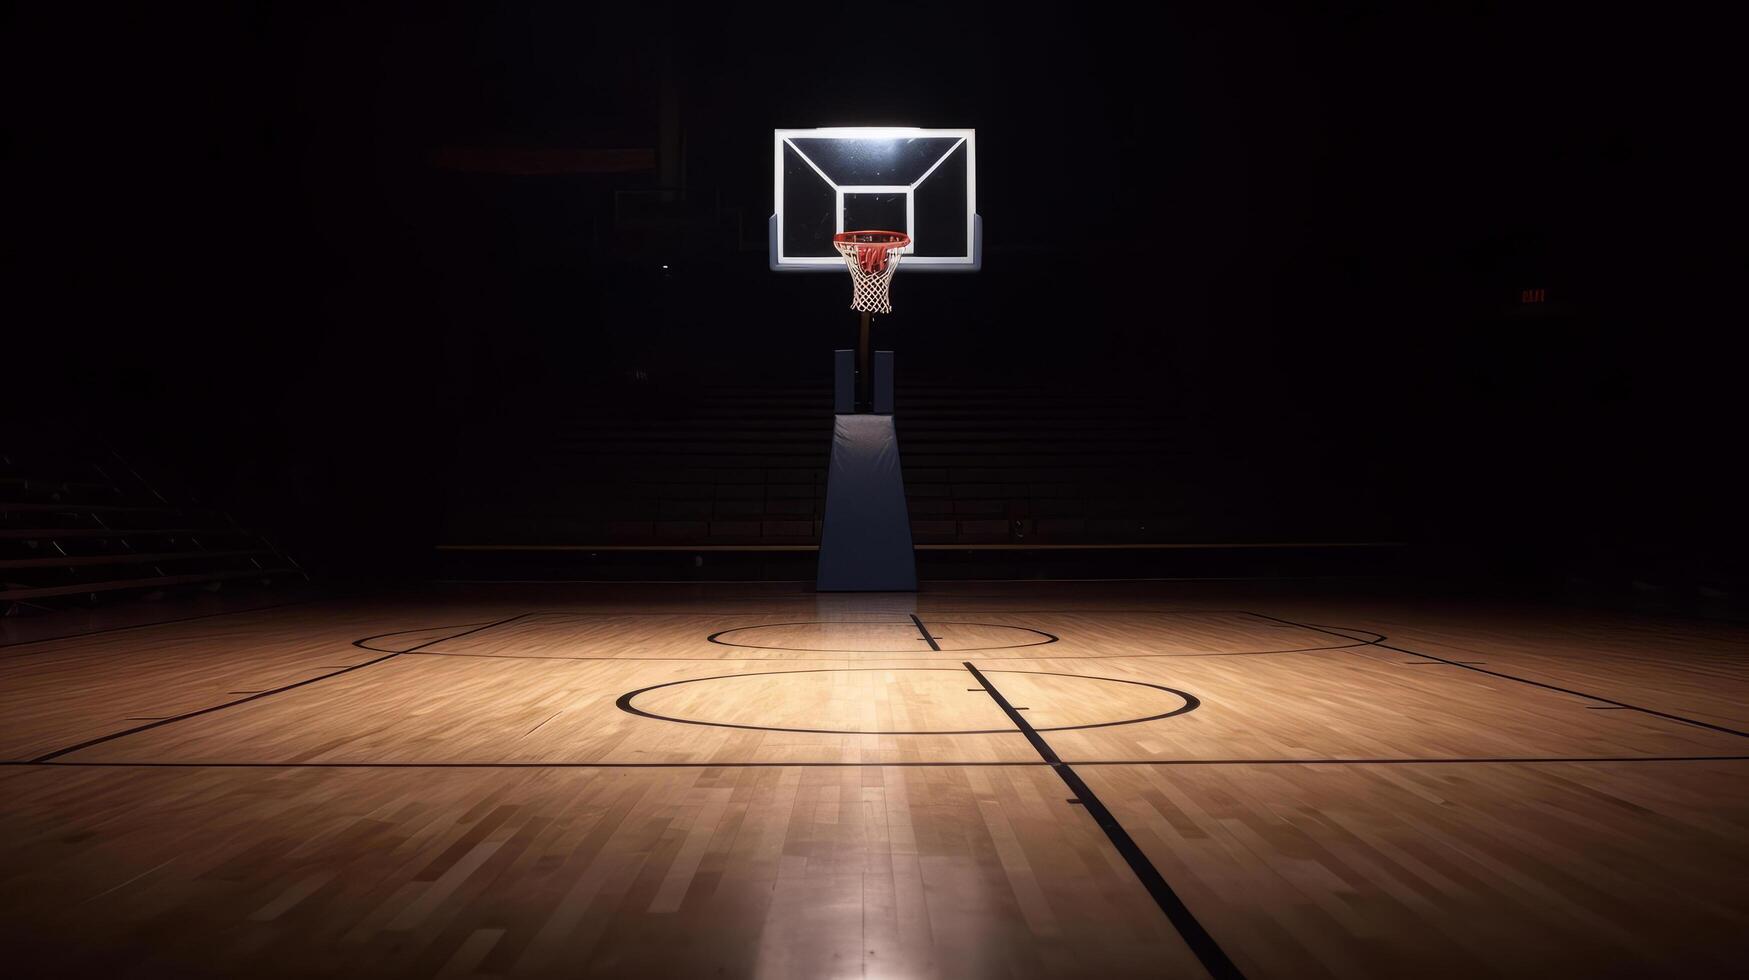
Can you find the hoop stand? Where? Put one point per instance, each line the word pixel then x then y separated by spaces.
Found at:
pixel 865 539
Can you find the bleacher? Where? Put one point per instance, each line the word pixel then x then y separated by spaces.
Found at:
pixel 80 524
pixel 746 467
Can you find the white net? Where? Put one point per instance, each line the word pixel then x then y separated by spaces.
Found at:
pixel 872 265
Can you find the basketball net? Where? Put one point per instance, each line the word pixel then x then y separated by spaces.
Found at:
pixel 872 257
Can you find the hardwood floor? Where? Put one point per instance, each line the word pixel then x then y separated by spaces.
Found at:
pixel 754 781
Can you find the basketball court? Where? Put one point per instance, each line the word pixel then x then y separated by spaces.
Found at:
pixel 978 780
pixel 486 504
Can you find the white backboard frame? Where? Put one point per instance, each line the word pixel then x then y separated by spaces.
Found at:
pixel 970 262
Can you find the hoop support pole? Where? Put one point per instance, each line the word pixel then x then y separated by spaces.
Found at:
pixel 864 366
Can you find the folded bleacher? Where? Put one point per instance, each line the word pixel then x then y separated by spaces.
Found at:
pixel 80 524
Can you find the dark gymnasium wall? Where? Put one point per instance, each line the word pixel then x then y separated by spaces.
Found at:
pixel 290 251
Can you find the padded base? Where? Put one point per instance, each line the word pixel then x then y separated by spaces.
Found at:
pixel 865 545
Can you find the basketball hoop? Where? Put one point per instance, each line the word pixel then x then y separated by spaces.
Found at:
pixel 873 257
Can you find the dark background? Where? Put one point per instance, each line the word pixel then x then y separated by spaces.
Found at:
pixel 244 247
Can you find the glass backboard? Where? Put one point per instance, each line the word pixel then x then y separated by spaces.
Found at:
pixel 922 182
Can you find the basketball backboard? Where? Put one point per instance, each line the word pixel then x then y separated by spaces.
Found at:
pixel 918 181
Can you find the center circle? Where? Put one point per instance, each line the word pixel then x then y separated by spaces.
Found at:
pixel 904 701
pixel 880 636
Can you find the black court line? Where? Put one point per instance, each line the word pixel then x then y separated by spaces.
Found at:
pixel 885 655
pixel 1213 958
pixel 1377 637
pixel 966 764
pixel 88 743
pixel 363 643
pixel 624 703
pixel 881 655
pixel 163 622
pixel 1455 760
pixel 560 613
pixel 1525 680
pixel 931 640
pixel 717 637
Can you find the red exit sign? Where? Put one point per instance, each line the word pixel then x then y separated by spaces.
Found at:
pixel 1529 296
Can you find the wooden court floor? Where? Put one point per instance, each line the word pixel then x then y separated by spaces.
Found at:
pixel 977 781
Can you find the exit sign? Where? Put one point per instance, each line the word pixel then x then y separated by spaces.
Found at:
pixel 1527 297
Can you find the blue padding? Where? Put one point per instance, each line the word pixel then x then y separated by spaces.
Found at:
pixel 866 543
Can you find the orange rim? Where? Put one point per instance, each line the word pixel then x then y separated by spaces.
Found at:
pixel 894 239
